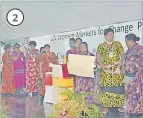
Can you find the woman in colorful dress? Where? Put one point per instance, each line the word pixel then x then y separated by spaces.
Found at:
pixel 45 60
pixel 110 57
pixel 32 75
pixel 85 84
pixel 19 69
pixel 8 86
pixel 133 71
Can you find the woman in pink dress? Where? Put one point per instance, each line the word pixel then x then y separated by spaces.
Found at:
pixel 19 68
pixel 32 75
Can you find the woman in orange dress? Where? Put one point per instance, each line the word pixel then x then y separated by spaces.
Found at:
pixel 45 59
pixel 8 86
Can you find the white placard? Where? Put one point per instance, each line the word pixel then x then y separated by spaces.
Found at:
pixel 57 71
pixel 52 95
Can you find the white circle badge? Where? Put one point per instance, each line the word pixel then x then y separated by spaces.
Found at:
pixel 15 17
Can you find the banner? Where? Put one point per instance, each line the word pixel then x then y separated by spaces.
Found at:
pixel 93 36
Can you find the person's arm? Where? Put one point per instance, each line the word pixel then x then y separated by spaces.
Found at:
pixel 99 57
pixel 139 61
pixel 23 59
pixel 40 67
pixel 67 54
pixel 23 56
pixel 37 55
pixel 121 53
pixel 27 55
pixel 4 59
pixel 40 64
pixel 137 66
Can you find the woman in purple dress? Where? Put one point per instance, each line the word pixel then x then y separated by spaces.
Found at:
pixel 133 80
pixel 85 84
pixel 19 68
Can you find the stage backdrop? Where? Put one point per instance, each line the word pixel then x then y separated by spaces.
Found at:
pixel 93 36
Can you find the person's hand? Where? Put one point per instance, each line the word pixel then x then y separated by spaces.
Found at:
pixel 97 87
pixel 67 60
pixel 134 81
pixel 140 69
pixel 119 64
pixel 95 62
pixel 117 71
pixel 103 67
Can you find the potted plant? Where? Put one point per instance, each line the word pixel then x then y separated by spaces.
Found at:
pixel 75 106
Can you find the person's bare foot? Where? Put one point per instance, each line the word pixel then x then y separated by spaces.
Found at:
pixel 105 111
pixel 122 110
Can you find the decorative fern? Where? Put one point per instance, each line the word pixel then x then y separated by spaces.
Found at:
pixel 3 112
pixel 75 106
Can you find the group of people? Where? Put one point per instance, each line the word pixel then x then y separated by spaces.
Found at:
pixel 121 73
pixel 23 73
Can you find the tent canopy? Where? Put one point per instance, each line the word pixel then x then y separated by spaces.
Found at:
pixel 47 17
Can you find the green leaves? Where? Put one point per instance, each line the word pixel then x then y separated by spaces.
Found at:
pixel 75 105
pixel 94 112
pixel 3 113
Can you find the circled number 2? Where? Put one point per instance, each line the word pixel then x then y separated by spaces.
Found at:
pixel 15 19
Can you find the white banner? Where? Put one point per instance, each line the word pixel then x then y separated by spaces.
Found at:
pixel 93 36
